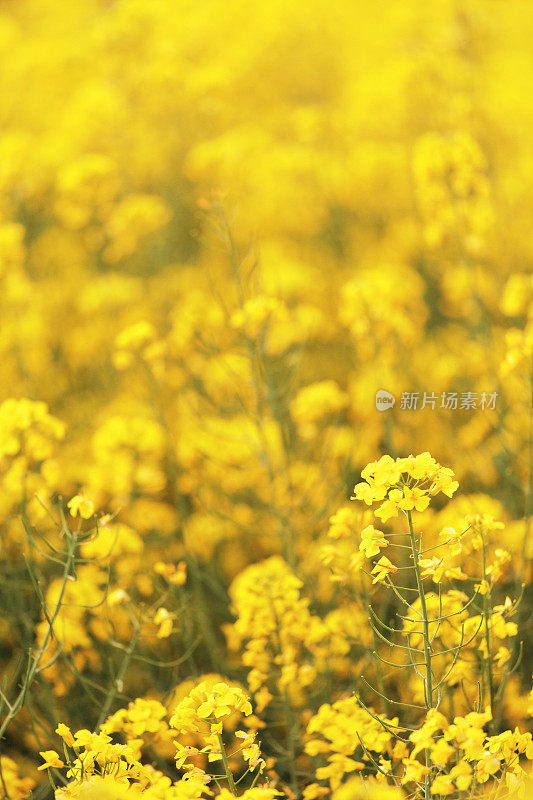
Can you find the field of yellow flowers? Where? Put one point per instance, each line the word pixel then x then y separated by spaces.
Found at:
pixel 266 412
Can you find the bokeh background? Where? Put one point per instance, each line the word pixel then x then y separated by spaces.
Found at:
pixel 224 226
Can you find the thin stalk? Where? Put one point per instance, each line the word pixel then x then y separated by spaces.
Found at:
pixel 291 727
pixel 528 505
pixel 34 665
pixel 227 769
pixel 428 680
pixel 379 671
pixel 117 683
pixel 487 608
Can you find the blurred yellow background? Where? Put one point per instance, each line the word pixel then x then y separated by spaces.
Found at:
pixel 224 226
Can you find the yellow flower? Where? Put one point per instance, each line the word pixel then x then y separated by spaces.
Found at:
pixel 502 656
pixel 487 765
pixel 209 702
pixel 387 510
pixel 51 759
pixel 371 541
pixel 409 498
pixel 363 491
pixel 462 775
pixel 164 619
pixel 443 785
pixel 356 788
pixel 452 540
pixel 179 578
pixel 414 770
pixel 80 505
pixel 338 766
pixel 432 566
pixel 314 791
pixel 441 752
pixel 116 597
pixel 65 733
pixel 412 481
pixel 383 568
pixel 342 523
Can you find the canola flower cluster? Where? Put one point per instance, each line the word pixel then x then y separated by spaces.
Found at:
pixel 224 227
pixel 291 656
pixel 440 638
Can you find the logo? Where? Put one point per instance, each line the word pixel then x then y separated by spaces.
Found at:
pixel 384 400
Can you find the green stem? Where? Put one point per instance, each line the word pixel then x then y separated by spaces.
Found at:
pixel 35 664
pixel 290 719
pixel 291 729
pixel 379 671
pixel 528 505
pixel 487 608
pixel 284 529
pixel 425 622
pixel 227 769
pixel 428 682
pixel 117 683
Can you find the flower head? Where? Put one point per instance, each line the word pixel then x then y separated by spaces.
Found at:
pixel 371 541
pixel 383 568
pixel 403 484
pixel 51 759
pixel 82 506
